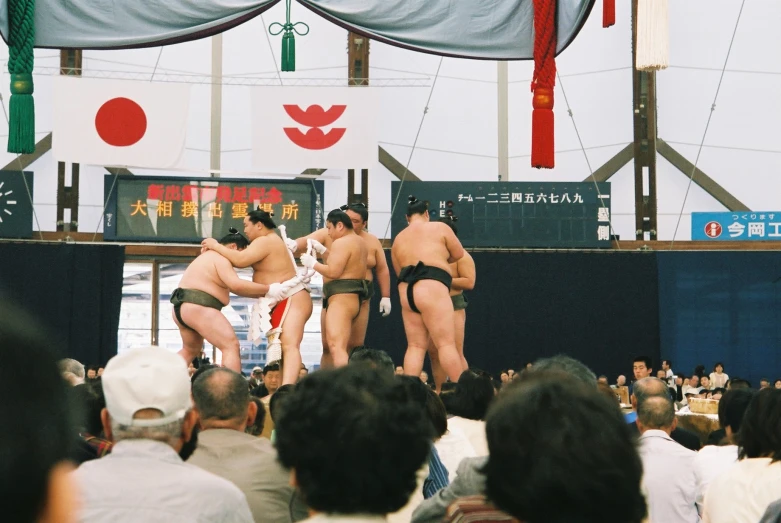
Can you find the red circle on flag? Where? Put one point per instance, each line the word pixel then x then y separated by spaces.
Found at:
pixel 120 122
pixel 713 229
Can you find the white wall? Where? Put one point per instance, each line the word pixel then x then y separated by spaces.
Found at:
pixel 458 136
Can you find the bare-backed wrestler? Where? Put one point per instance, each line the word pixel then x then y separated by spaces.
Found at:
pixel 421 255
pixel 376 261
pixel 346 289
pixel 268 256
pixel 203 291
pixel 464 276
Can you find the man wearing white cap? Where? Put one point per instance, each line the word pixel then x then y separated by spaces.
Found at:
pixel 148 416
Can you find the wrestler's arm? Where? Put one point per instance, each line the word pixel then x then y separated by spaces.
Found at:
pixel 466 275
pixel 241 259
pixel 395 262
pixel 320 235
pixel 454 246
pixel 381 270
pixel 337 262
pixel 235 284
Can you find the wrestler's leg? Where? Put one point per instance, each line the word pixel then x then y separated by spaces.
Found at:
pixel 327 359
pixel 417 335
pixel 216 329
pixel 358 332
pixel 192 342
pixel 342 310
pixel 436 369
pixel 292 334
pixel 433 300
pixel 460 317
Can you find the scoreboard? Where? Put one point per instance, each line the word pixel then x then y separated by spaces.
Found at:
pixel 515 214
pixel 178 209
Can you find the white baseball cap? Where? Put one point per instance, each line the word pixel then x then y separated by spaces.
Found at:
pixel 146 378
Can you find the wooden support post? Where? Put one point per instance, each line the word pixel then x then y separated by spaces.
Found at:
pixel 68 193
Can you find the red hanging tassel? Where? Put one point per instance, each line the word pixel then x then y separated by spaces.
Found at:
pixel 608 13
pixel 543 83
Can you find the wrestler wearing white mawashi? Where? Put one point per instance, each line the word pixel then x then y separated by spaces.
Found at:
pixel 269 257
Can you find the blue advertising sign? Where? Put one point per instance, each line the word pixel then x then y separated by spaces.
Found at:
pixel 737 226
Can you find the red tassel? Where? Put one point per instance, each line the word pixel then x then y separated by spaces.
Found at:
pixel 543 82
pixel 542 129
pixel 608 13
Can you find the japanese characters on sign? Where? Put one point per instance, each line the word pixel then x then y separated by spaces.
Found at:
pixel 736 226
pixel 509 214
pixel 176 209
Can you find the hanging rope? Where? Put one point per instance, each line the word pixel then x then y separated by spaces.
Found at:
pixel 543 82
pixel 21 106
pixel 288 38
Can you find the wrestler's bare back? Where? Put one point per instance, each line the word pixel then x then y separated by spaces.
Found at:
pixel 202 275
pixel 427 242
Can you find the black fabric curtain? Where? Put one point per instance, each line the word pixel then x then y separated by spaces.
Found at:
pixel 75 292
pixel 600 308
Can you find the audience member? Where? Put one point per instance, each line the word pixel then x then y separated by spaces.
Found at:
pixel 705 383
pixel 469 478
pixel 72 371
pixel 271 380
pixel 603 379
pixel 764 383
pixel 655 387
pixel 466 407
pixel 399 371
pixel 378 359
pixel 256 428
pixel 37 436
pixel 548 460
pixel 718 378
pixel 256 378
pixel 383 436
pixel 148 417
pixel 745 491
pixel 248 462
pixel 777 384
pixel 621 381
pixel 739 383
pixel 275 406
pixel 91 402
pixel 672 498
pixel 713 461
pixel 303 372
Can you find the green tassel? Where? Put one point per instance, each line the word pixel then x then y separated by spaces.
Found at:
pixel 21 39
pixel 288 52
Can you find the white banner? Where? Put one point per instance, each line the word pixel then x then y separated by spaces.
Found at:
pixel 314 127
pixel 119 123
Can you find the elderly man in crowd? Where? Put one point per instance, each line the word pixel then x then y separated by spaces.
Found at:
pixel 249 462
pixel 149 418
pixel 672 498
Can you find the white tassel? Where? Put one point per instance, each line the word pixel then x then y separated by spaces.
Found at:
pixel 653 35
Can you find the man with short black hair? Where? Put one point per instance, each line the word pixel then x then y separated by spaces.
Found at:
pixel 249 462
pixel 203 291
pixel 149 418
pixel 378 359
pixel 364 415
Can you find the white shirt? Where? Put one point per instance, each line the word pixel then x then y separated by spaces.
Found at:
pixel 465 438
pixel 146 480
pixel 710 463
pixel 743 495
pixel 668 479
pixel 718 380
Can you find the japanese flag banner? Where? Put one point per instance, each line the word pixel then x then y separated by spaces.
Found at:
pixel 119 123
pixel 314 127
